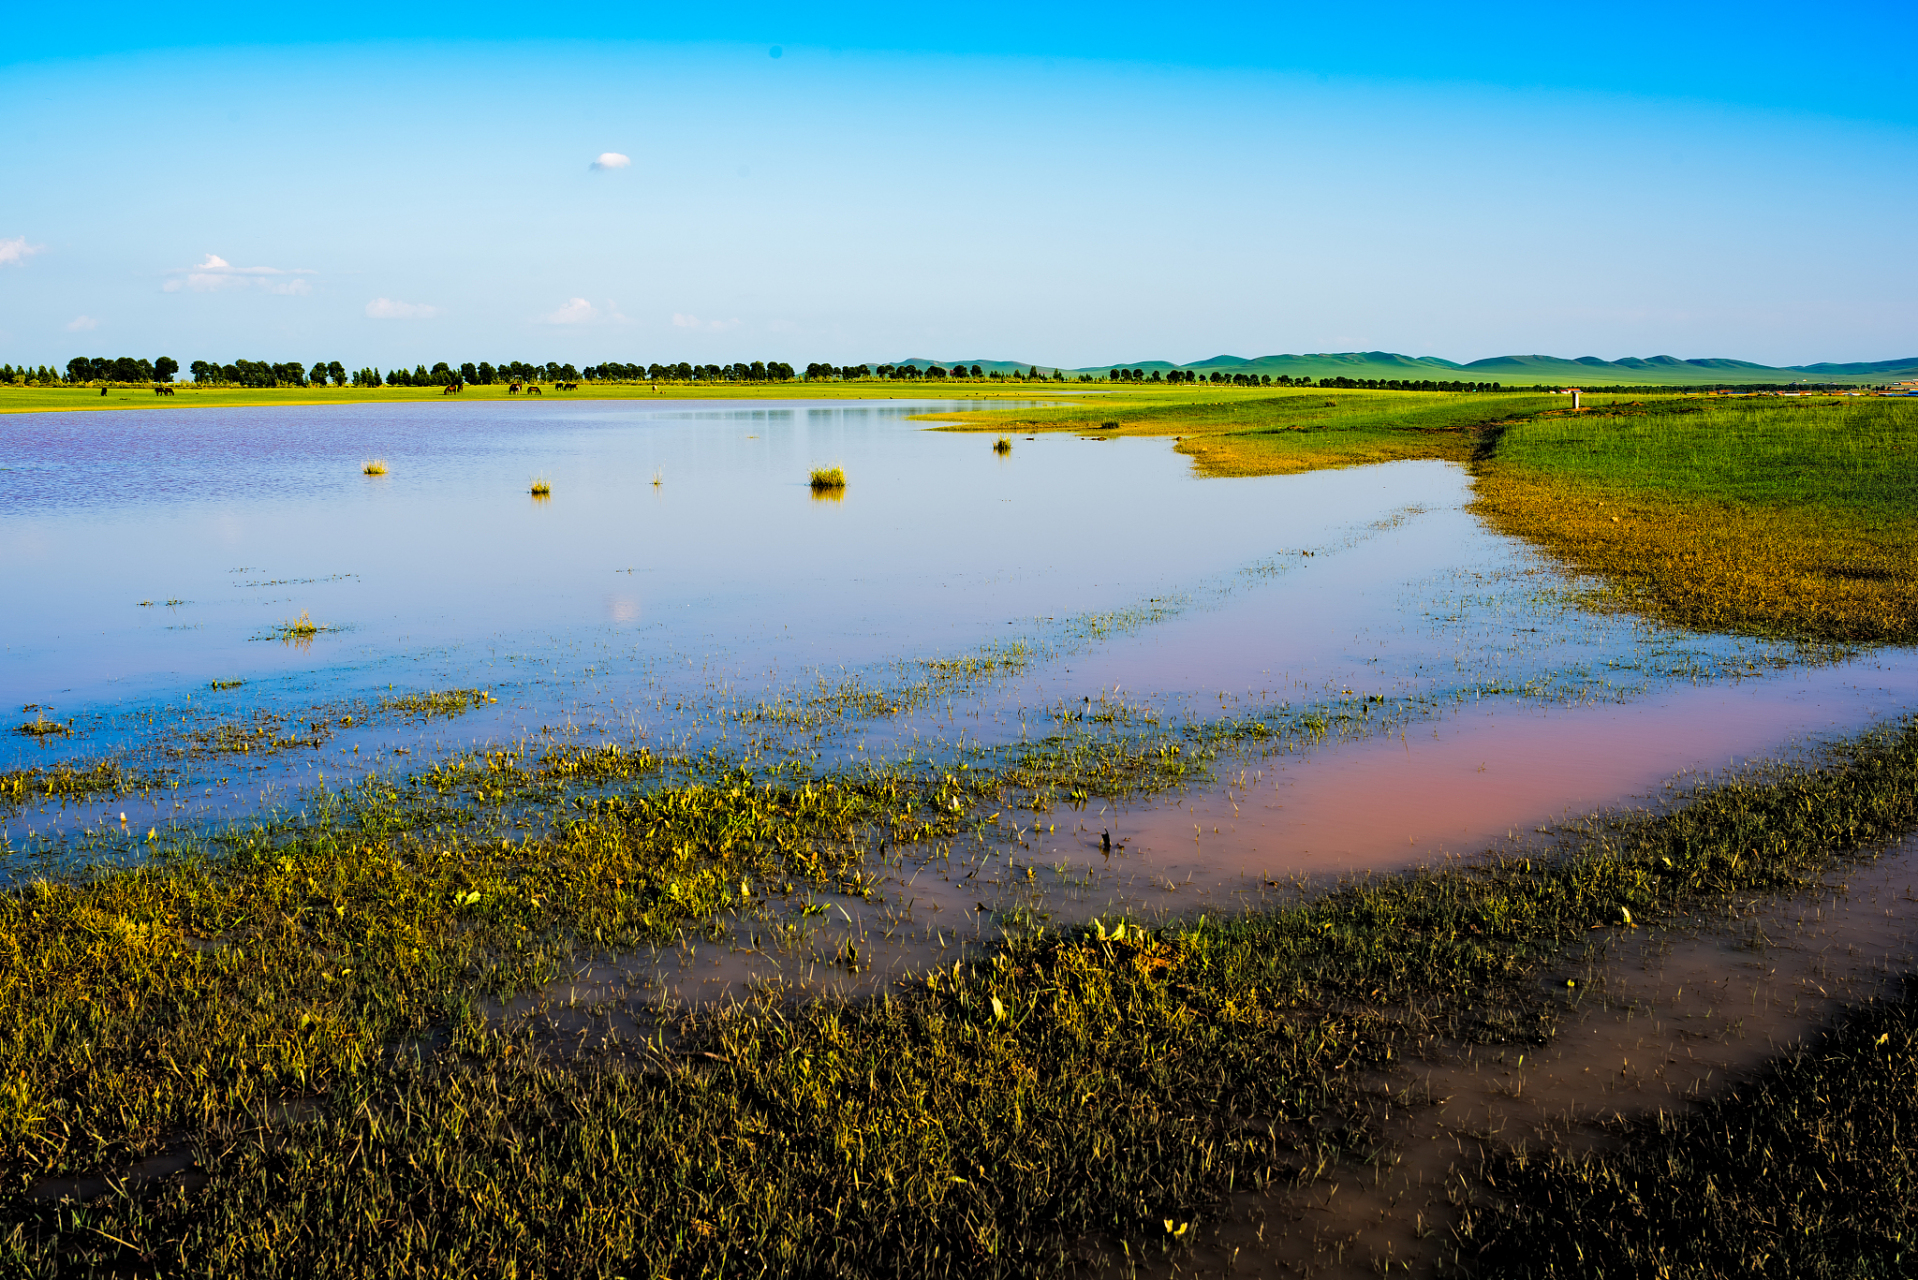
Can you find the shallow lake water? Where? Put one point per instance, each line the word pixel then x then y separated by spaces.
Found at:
pixel 683 585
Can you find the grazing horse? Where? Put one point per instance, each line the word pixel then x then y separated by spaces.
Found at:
pixel 162 391
pixel 534 391
pixel 513 390
pixel 103 390
pixel 452 389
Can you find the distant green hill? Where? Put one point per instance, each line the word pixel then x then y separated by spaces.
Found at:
pixel 1533 370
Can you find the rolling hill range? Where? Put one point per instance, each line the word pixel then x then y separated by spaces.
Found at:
pixel 1531 370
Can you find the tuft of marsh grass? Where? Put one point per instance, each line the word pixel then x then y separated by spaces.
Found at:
pixel 220 685
pixel 542 488
pixel 41 727
pixel 68 782
pixel 828 478
pixel 447 702
pixel 297 631
pixel 373 467
pixel 1002 445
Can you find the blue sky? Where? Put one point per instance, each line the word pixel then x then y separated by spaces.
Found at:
pixel 1067 185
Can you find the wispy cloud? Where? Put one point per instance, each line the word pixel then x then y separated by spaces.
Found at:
pixel 82 324
pixel 16 251
pixel 710 326
pixel 217 274
pixel 611 160
pixel 394 309
pixel 580 311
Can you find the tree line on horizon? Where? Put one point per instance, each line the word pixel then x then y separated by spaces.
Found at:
pixel 260 373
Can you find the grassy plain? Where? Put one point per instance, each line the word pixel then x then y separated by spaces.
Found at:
pixel 1774 516
pixel 294 1006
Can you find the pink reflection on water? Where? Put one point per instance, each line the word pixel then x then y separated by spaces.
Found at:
pixel 1489 772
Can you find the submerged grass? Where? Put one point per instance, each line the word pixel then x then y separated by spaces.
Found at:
pixel 1112 1081
pixel 69 783
pixel 1807 1171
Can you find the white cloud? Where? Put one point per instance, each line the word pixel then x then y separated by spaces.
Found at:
pixel 710 326
pixel 611 160
pixel 216 274
pixel 580 311
pixel 394 309
pixel 82 324
pixel 16 251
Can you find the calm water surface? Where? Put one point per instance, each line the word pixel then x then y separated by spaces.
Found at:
pixel 682 574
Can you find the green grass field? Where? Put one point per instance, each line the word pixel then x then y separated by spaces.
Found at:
pixel 1775 516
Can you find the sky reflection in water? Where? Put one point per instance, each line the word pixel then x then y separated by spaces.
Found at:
pixel 622 608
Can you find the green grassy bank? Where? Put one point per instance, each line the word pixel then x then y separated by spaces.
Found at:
pixel 293 1007
pixel 1775 516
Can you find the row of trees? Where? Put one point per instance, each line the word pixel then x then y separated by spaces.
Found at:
pixel 259 373
pixel 27 375
pixel 123 369
pixel 1395 384
pixel 756 371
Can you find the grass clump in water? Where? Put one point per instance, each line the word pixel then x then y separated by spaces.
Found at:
pixel 299 631
pixel 542 488
pixel 69 783
pixel 373 467
pixel 1002 445
pixel 827 478
pixel 445 702
pixel 41 727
